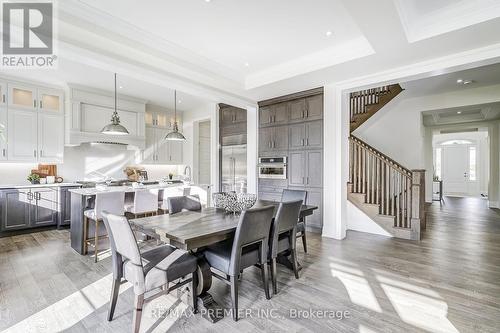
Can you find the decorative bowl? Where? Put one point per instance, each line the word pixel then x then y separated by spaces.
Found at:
pixel 234 202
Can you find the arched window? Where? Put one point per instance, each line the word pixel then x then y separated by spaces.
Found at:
pixel 456 142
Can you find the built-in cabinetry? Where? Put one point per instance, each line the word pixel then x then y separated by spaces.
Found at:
pixel 31 123
pixel 292 126
pixel 24 208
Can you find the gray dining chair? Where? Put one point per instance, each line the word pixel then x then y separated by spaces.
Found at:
pixel 292 195
pixel 249 247
pixel 186 202
pixel 283 239
pixel 146 271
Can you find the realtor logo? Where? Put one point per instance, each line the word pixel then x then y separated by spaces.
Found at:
pixel 28 35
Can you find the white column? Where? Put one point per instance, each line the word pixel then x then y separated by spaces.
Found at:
pixel 252 144
pixel 335 163
pixel 494 181
pixel 215 145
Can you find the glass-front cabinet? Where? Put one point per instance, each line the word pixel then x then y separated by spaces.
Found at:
pixel 22 96
pixel 3 93
pixel 50 100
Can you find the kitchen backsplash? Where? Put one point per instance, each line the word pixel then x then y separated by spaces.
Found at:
pixel 92 162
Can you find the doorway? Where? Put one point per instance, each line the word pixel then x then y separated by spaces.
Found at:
pixel 204 152
pixel 461 162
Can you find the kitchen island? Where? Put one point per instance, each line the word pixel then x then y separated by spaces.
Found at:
pixel 83 199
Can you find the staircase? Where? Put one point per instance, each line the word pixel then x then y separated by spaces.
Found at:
pixel 390 194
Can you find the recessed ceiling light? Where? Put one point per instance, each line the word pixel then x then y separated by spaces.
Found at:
pixel 207 0
pixel 247 64
pixel 179 101
pixel 467 82
pixel 460 81
pixel 459 112
pixel 328 33
pixel 121 87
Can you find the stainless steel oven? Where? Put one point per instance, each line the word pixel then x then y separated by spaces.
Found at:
pixel 272 167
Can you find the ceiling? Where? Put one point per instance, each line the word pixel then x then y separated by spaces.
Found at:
pixel 461 115
pixel 439 84
pixel 239 52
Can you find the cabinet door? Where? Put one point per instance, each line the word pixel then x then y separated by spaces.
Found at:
pixel 175 152
pixel 314 134
pixel 314 107
pixel 65 204
pixel 50 100
pixel 315 198
pixel 297 109
pixel 22 144
pixel 280 138
pixel 227 116
pixel 22 97
pixel 297 134
pixel 3 133
pixel 162 146
pixel 296 169
pixel 3 93
pixel 314 175
pixel 50 138
pixel 149 153
pixel 240 115
pixel 265 115
pixel 265 139
pixel 280 114
pixel 45 208
pixel 15 209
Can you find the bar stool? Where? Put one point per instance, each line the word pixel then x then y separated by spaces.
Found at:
pixel 145 202
pixel 171 192
pixel 107 201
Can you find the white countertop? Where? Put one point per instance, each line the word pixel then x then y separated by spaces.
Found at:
pixel 102 189
pixel 28 185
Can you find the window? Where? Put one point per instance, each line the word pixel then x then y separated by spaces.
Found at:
pixel 456 142
pixel 437 163
pixel 472 163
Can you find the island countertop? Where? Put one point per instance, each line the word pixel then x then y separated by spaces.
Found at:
pixel 104 189
pixel 28 185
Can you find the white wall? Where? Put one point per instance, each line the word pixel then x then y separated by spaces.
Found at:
pixel 359 221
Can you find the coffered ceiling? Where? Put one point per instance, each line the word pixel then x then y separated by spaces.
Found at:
pixel 239 52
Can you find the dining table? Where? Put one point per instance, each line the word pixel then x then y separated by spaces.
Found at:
pixel 192 231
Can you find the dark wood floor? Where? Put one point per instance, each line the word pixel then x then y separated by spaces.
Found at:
pixel 448 282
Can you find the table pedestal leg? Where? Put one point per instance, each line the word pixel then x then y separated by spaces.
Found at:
pixel 283 259
pixel 207 306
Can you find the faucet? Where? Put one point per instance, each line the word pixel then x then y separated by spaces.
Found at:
pixel 186 177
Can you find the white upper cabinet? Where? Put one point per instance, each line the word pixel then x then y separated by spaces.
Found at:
pixel 50 100
pixel 160 151
pixel 50 138
pixel 3 93
pixel 175 152
pixel 23 139
pixel 3 134
pixel 22 96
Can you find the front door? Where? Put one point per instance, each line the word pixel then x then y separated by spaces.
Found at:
pixel 459 165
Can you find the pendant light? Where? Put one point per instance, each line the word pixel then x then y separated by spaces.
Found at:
pixel 114 128
pixel 175 135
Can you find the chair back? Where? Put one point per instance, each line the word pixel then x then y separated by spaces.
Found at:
pixel 294 195
pixel 111 202
pixel 285 221
pixel 188 202
pixel 122 238
pixel 253 228
pixel 145 201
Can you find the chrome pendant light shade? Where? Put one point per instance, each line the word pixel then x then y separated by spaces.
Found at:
pixel 115 128
pixel 175 135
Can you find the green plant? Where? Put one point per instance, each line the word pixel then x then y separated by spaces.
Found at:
pixel 34 178
pixel 170 175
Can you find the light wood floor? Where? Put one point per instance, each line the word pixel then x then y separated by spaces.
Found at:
pixel 448 282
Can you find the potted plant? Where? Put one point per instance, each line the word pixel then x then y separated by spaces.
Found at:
pixel 170 176
pixel 34 178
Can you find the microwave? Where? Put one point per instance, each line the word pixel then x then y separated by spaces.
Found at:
pixel 272 167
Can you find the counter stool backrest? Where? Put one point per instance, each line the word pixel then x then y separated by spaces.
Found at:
pixel 112 202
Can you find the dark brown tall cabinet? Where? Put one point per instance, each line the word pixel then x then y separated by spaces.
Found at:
pixel 292 126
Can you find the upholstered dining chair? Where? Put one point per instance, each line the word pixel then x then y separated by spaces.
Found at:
pixel 148 271
pixel 293 195
pixel 283 237
pixel 249 247
pixel 186 202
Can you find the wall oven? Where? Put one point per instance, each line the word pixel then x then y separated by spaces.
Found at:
pixel 272 167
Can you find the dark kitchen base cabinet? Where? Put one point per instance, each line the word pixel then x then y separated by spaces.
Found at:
pixel 27 208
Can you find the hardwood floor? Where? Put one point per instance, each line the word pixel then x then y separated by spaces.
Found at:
pixel 448 282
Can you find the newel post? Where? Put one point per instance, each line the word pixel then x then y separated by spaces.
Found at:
pixel 417 203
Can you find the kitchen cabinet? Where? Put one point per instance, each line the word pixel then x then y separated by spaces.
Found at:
pixel 297 109
pixel 23 137
pixel 305 109
pixel 160 151
pixel 64 202
pixel 28 208
pixel 50 100
pixel 314 198
pixel 232 115
pixel 157 119
pixel 22 96
pixel 306 135
pixel 305 168
pixel 273 138
pixel 3 134
pixel 276 114
pixel 3 93
pixel 50 138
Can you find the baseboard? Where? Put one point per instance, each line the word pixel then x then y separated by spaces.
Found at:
pixel 493 204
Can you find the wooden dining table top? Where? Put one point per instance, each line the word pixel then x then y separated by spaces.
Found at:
pixel 191 230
